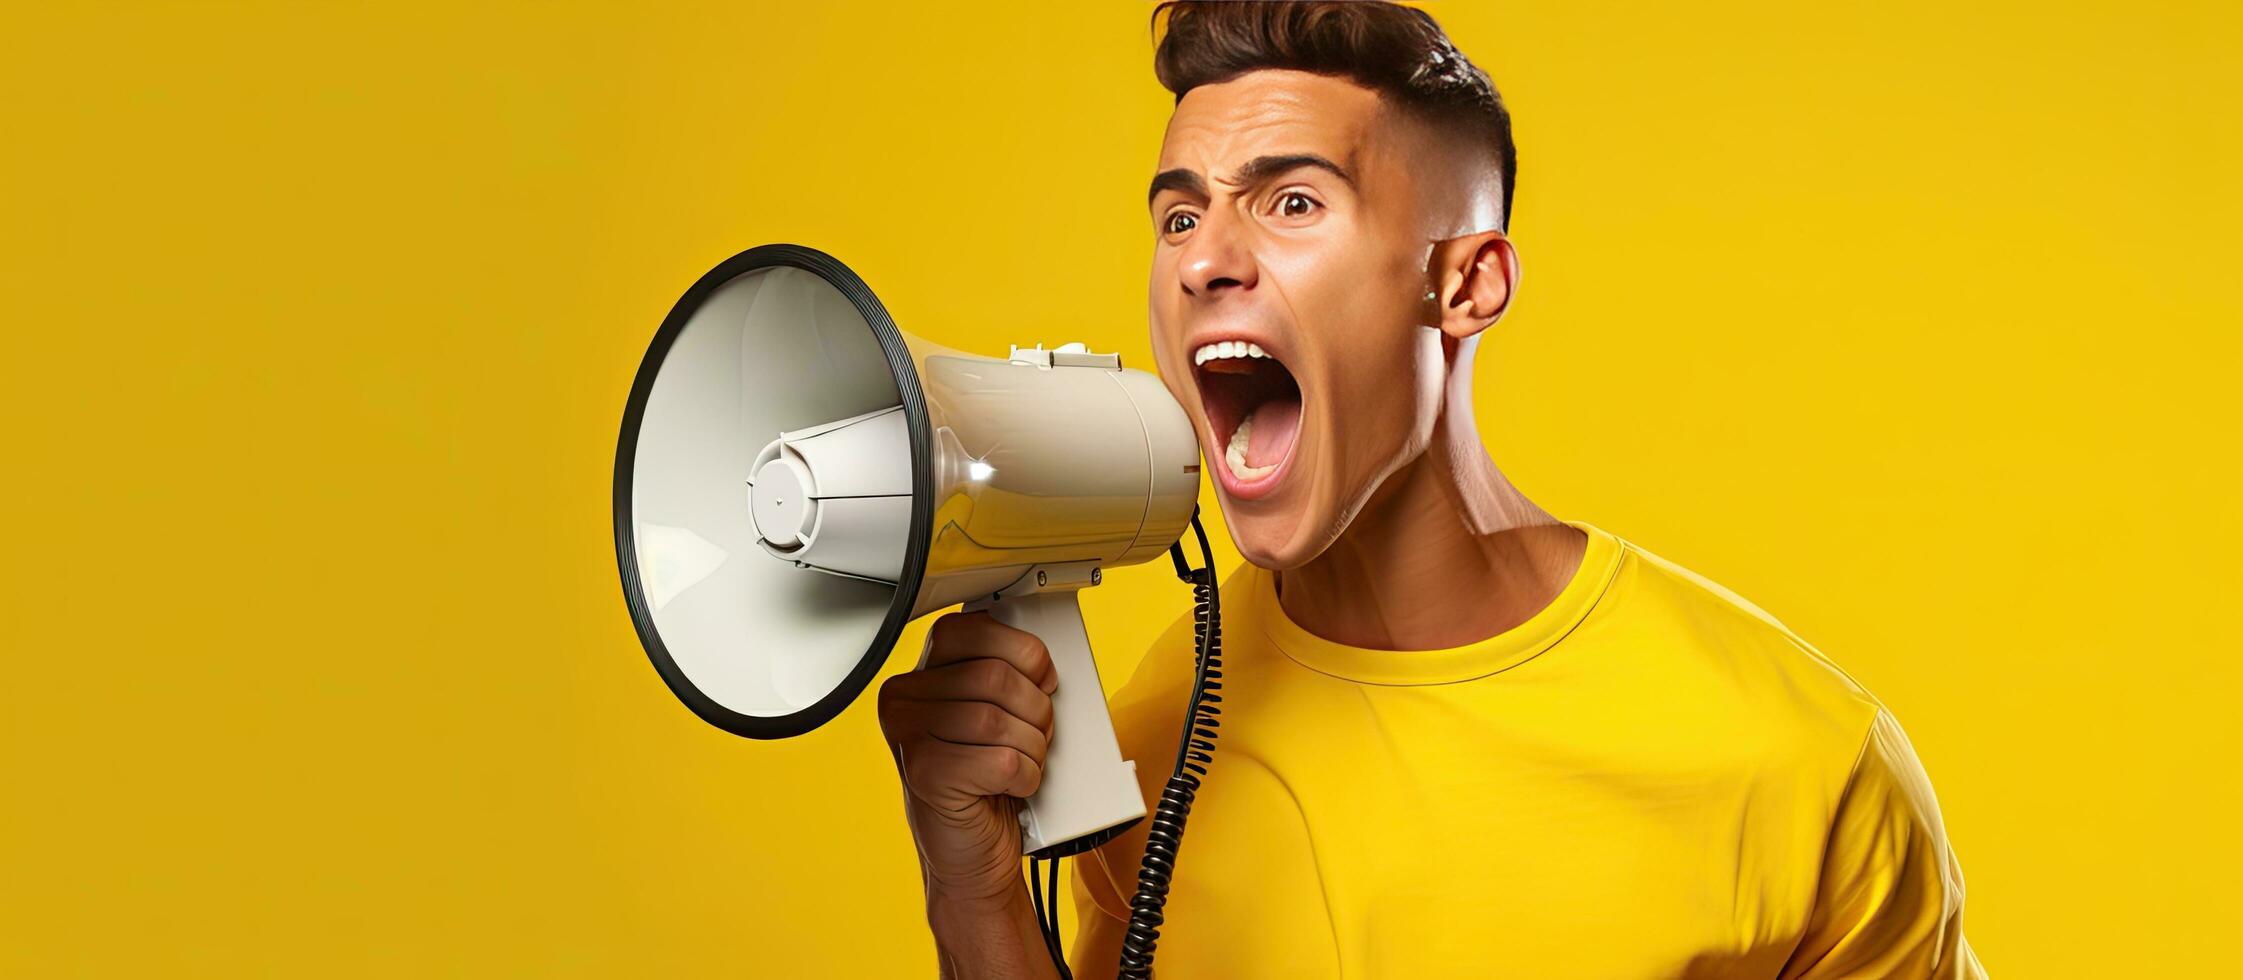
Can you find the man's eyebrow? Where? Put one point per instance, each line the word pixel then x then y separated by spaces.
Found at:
pixel 1263 168
pixel 1176 180
pixel 1255 171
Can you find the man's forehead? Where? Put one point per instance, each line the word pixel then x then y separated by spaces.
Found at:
pixel 1271 111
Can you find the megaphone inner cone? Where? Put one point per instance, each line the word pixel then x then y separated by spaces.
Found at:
pixel 780 504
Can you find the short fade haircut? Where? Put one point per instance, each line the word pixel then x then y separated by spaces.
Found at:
pixel 1396 51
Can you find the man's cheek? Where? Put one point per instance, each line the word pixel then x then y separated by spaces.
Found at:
pixel 1373 399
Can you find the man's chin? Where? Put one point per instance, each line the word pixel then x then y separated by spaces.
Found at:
pixel 1270 537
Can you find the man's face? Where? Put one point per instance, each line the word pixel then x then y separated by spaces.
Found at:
pixel 1288 222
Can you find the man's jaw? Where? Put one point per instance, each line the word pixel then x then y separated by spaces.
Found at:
pixel 1253 405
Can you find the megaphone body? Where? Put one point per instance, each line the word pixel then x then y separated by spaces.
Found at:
pixel 797 478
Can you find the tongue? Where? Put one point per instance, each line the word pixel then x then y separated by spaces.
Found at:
pixel 1276 422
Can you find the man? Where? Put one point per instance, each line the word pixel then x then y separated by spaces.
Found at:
pixel 1460 737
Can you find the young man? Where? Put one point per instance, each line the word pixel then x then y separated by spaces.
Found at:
pixel 1460 737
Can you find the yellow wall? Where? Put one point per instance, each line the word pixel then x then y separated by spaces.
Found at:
pixel 1914 322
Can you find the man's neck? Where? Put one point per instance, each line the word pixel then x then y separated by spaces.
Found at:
pixel 1447 552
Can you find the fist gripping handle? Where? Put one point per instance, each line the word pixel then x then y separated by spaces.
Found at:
pixel 1089 794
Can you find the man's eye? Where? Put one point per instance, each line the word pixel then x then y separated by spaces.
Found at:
pixel 1294 204
pixel 1181 222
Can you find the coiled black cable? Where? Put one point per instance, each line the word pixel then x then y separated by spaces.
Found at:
pixel 1194 753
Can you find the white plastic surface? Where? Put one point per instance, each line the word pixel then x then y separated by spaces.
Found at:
pixel 1041 465
pixel 857 473
pixel 780 501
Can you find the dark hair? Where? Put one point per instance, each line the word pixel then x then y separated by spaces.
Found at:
pixel 1396 51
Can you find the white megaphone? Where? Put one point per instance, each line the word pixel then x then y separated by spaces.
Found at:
pixel 797 478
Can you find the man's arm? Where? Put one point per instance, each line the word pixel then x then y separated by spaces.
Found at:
pixel 989 938
pixel 1890 902
pixel 969 731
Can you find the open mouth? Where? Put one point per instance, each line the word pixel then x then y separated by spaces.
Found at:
pixel 1253 410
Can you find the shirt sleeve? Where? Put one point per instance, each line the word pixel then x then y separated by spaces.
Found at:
pixel 1890 899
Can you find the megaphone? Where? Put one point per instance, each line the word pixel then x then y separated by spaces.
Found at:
pixel 797 479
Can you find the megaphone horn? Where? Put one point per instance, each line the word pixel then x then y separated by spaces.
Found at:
pixel 797 478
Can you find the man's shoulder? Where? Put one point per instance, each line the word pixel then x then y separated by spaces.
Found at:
pixel 1734 626
pixel 1737 656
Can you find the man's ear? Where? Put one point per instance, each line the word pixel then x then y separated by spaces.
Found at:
pixel 1475 277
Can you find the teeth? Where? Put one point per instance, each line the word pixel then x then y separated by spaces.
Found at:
pixel 1227 348
pixel 1235 454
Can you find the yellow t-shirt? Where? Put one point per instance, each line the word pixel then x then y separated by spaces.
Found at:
pixel 1649 778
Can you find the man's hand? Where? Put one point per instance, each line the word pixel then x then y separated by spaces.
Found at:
pixel 968 732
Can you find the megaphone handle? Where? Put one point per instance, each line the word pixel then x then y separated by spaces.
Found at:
pixel 1088 791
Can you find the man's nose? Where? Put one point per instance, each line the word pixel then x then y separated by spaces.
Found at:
pixel 1215 258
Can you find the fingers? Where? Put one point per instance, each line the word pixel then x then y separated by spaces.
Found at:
pixel 971 723
pixel 976 721
pixel 964 636
pixel 981 680
pixel 949 776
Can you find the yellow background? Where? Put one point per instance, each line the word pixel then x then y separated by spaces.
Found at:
pixel 1914 322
